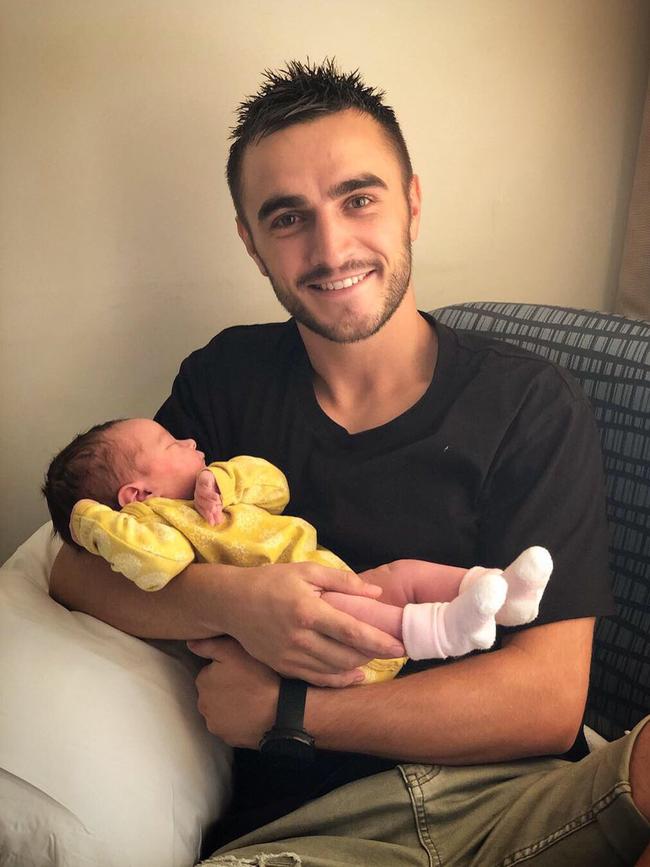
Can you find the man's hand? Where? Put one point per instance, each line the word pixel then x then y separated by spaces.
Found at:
pixel 277 615
pixel 237 694
pixel 275 612
pixel 207 498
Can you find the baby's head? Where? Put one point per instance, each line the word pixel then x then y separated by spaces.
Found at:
pixel 119 462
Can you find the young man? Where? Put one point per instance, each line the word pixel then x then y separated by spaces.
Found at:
pixel 399 438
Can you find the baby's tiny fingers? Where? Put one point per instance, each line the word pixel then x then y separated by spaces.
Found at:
pixel 206 480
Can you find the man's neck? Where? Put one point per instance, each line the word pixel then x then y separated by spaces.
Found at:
pixel 366 384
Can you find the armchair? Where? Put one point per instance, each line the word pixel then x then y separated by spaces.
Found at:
pixel 610 356
pixel 103 755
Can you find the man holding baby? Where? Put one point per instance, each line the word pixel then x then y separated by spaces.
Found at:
pixel 399 438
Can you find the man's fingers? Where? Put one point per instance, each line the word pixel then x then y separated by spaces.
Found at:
pixel 348 678
pixel 208 648
pixel 322 655
pixel 347 582
pixel 353 633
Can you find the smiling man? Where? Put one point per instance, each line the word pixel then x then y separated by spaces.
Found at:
pixel 338 254
pixel 399 438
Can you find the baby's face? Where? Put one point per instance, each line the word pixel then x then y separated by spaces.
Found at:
pixel 168 467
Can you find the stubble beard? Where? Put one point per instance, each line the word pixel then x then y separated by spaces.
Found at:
pixel 350 328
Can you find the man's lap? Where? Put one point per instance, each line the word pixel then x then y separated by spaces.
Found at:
pixel 545 812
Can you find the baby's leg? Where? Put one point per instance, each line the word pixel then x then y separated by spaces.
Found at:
pixel 435 630
pixel 407 581
pixel 388 618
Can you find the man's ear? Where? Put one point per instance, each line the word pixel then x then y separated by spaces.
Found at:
pixel 133 492
pixel 245 235
pixel 415 207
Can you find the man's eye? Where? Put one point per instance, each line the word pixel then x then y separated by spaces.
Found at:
pixel 284 221
pixel 359 202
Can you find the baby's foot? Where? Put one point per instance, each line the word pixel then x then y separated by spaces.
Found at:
pixel 436 630
pixel 527 578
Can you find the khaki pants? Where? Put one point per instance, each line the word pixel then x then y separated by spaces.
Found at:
pixel 538 812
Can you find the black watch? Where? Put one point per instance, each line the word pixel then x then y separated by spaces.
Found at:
pixel 287 741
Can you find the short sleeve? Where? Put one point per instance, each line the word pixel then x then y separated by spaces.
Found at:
pixel 184 413
pixel 546 488
pixel 205 395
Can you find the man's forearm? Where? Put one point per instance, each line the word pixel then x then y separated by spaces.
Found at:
pixel 274 611
pixel 526 699
pixel 193 605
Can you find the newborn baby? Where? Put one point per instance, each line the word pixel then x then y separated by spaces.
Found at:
pixel 131 493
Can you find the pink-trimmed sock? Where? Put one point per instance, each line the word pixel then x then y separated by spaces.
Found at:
pixel 436 630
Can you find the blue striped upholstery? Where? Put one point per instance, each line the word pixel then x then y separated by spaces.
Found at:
pixel 610 356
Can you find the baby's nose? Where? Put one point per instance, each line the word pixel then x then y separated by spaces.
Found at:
pixel 191 443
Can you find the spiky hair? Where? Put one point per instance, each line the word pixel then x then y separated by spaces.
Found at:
pixel 299 93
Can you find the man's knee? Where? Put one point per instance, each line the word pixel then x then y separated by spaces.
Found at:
pixel 640 772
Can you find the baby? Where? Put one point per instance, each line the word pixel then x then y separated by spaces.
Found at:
pixel 130 492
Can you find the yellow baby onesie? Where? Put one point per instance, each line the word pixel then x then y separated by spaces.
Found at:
pixel 152 541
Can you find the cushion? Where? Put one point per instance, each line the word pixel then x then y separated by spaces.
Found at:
pixel 104 759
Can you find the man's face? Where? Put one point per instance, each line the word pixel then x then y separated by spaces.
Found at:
pixel 330 224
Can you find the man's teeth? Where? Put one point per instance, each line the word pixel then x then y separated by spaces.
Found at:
pixel 342 284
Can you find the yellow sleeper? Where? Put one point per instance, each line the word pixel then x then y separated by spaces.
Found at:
pixel 153 541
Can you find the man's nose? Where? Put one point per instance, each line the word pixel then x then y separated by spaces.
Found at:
pixel 331 241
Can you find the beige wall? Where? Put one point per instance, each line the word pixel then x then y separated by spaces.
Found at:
pixel 118 254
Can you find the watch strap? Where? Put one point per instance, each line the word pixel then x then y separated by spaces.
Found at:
pixel 291 704
pixel 287 742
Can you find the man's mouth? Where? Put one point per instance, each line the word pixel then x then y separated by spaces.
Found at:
pixel 340 284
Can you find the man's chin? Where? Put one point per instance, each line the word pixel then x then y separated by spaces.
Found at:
pixel 349 327
pixel 343 332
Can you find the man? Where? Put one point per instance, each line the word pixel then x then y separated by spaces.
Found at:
pixel 399 438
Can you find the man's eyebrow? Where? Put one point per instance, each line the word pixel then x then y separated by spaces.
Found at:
pixel 276 203
pixel 350 186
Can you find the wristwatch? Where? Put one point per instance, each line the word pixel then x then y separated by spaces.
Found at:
pixel 287 741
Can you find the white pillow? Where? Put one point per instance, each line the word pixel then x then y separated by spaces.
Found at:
pixel 104 759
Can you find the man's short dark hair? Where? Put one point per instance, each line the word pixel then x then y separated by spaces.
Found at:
pixel 303 92
pixel 89 467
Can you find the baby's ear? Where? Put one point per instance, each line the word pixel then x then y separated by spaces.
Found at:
pixel 132 493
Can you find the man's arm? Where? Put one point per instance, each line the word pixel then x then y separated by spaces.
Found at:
pixel 527 698
pixel 524 699
pixel 285 623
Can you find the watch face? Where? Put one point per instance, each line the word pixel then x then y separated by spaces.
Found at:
pixel 291 748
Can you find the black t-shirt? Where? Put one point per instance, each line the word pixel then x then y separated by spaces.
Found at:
pixel 500 453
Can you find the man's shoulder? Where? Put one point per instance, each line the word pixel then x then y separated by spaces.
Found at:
pixel 247 344
pixel 266 334
pixel 511 365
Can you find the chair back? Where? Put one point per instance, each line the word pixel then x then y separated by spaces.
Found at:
pixel 610 356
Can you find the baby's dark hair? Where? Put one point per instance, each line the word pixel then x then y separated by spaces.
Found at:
pixel 89 467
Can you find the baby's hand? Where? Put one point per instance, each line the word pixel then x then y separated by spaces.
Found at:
pixel 207 499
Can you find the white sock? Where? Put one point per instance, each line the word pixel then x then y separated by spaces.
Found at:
pixel 527 578
pixel 436 630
